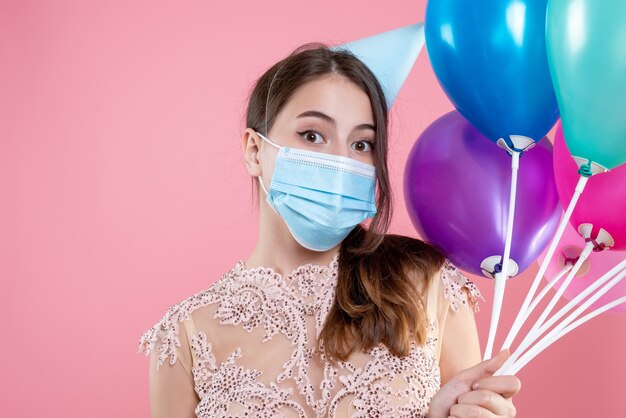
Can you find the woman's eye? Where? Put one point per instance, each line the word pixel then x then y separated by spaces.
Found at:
pixel 369 144
pixel 310 135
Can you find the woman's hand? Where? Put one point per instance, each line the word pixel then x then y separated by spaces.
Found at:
pixel 475 392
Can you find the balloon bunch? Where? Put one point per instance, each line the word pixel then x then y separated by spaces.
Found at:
pixel 597 216
pixel 511 68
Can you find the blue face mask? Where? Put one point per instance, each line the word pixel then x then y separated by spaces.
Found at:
pixel 321 197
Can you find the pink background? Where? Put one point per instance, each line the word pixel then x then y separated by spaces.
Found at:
pixel 123 191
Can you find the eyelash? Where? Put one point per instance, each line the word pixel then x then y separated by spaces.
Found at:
pixel 319 133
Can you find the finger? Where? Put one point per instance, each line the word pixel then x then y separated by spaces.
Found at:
pixel 484 368
pixel 494 402
pixel 467 410
pixel 506 385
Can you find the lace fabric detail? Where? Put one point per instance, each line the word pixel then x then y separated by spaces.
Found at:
pixel 220 385
pixel 416 379
pixel 288 311
pixel 454 282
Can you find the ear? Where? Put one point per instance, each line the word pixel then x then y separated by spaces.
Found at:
pixel 250 144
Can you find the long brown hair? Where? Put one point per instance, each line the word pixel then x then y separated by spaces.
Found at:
pixel 382 278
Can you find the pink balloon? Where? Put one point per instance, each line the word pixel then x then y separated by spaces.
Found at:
pixel 598 263
pixel 602 202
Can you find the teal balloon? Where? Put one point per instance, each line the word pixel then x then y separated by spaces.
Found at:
pixel 586 44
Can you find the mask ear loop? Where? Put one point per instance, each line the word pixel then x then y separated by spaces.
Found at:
pixel 267 102
pixel 269 141
pixel 267 99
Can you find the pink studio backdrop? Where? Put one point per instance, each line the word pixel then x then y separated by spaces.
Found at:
pixel 123 191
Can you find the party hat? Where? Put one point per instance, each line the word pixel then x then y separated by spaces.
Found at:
pixel 389 55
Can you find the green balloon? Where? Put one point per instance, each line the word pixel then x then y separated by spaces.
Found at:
pixel 586 45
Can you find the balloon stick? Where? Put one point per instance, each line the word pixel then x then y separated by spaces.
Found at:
pixel 555 298
pixel 567 325
pixel 549 286
pixel 537 332
pixel 502 276
pixel 524 311
pixel 532 336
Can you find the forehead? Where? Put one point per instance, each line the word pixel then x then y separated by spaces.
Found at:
pixel 334 95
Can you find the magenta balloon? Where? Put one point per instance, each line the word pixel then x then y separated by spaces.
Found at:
pixel 602 202
pixel 598 264
pixel 457 184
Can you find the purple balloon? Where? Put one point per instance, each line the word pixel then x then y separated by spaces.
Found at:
pixel 457 184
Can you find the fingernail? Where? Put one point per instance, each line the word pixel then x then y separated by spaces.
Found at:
pixel 476 385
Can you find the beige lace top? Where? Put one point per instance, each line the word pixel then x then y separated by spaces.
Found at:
pixel 246 347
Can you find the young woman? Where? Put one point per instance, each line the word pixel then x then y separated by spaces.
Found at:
pixel 326 317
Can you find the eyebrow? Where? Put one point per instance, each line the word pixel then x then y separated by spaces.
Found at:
pixel 324 116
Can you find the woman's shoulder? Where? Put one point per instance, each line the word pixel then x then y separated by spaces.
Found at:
pixel 165 334
pixel 452 283
pixel 457 288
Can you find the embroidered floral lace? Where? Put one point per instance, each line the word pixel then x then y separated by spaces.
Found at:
pixel 246 347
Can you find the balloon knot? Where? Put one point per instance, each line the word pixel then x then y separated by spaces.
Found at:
pixel 585 169
pixel 570 260
pixel 597 246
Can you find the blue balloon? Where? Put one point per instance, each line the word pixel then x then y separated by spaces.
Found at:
pixel 490 58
